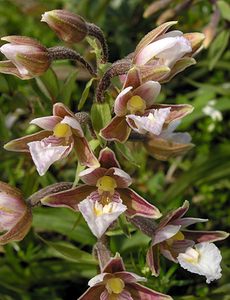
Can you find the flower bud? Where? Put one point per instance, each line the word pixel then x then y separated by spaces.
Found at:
pixel 68 26
pixel 27 58
pixel 15 215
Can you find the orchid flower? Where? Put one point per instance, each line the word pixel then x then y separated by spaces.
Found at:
pixel 104 195
pixel 169 144
pixel 27 57
pixel 15 215
pixel 134 109
pixel 171 238
pixel 115 283
pixel 61 133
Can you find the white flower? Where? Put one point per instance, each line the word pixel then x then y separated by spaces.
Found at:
pixel 99 217
pixel 203 260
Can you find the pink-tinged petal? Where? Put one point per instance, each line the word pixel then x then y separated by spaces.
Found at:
pixel 120 104
pixel 148 91
pixel 153 260
pixel 123 179
pixel 22 40
pixel 175 214
pixel 138 206
pixel 140 292
pixel 97 279
pixel 60 110
pixel 117 130
pixel 205 236
pixel 7 67
pixel 19 230
pixel 185 222
pixel 93 293
pixel 153 123
pixel 152 35
pixel 69 198
pixel 99 217
pixel 114 265
pixel 133 78
pixel 21 144
pixel 154 72
pixel 104 295
pixel 129 277
pixel 107 159
pixel 165 233
pixel 47 123
pixel 45 154
pixel 125 295
pixel 84 153
pixel 196 39
pixel 74 124
pixel 168 50
pixel 90 176
pixel 167 253
pixel 177 111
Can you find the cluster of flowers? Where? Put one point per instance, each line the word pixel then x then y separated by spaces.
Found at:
pixel 105 194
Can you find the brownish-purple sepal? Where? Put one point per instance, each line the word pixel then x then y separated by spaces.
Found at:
pixel 21 144
pixel 116 130
pixel 138 206
pixel 205 236
pixel 114 265
pixel 7 67
pixel 153 259
pixel 93 292
pixel 140 292
pixel 196 40
pixel 133 78
pixel 69 198
pixel 107 159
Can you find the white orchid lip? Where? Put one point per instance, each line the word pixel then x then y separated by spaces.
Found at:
pixel 204 260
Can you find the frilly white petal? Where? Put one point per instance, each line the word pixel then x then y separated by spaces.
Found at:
pixel 153 123
pixel 99 217
pixel 45 155
pixel 203 260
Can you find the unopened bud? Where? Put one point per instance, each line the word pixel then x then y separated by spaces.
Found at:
pixel 68 26
pixel 27 58
pixel 15 215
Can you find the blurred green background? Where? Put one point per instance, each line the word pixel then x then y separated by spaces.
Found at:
pixel 54 261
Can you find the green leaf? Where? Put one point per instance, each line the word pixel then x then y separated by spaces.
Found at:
pixel 126 152
pixel 217 48
pixel 68 88
pixel 71 252
pixel 124 225
pixel 224 8
pixel 100 115
pixel 85 94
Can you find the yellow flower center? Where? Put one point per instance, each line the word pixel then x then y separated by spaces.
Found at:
pixel 177 237
pixel 106 184
pixel 136 104
pixel 62 130
pixel 115 285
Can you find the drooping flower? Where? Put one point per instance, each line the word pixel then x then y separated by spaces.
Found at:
pixel 103 196
pixel 60 135
pixel 169 143
pixel 15 215
pixel 204 259
pixel 171 237
pixel 115 283
pixel 27 57
pixel 135 110
pixel 68 26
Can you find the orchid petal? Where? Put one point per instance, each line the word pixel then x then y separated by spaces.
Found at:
pixel 93 293
pixel 120 104
pixel 116 130
pixel 107 159
pixel 68 198
pixel 153 260
pixel 205 236
pixel 129 277
pixel 99 217
pixel 185 222
pixel 123 179
pixel 132 78
pixel 84 153
pixel 47 123
pixel 74 124
pixel 203 260
pixel 90 176
pixel 114 265
pixel 140 292
pixel 21 144
pixel 138 206
pixel 165 233
pixel 97 279
pixel 44 155
pixel 148 91
pixel 60 110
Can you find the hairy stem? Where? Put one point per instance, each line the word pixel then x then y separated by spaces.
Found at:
pixel 56 53
pixel 102 252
